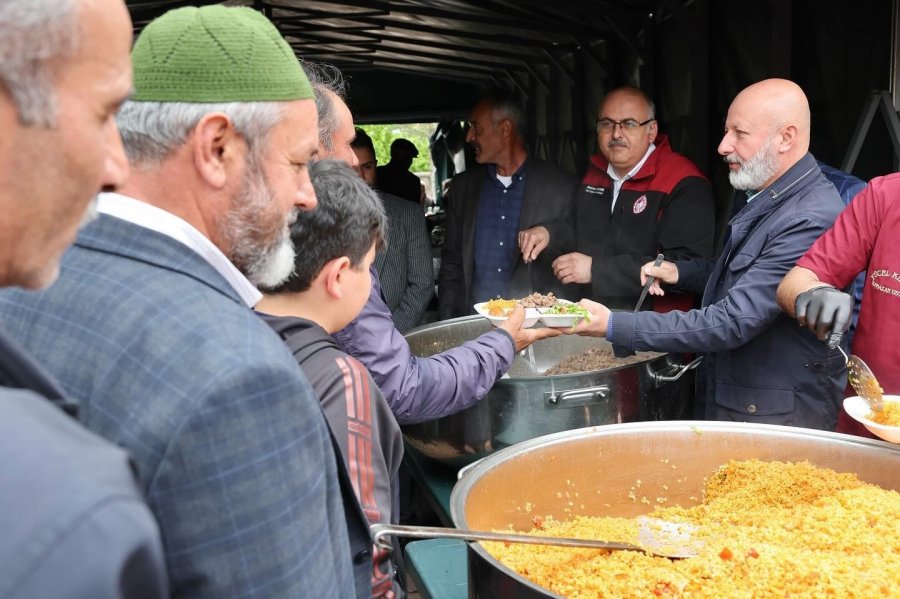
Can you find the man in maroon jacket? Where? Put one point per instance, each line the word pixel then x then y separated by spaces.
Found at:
pixel 638 199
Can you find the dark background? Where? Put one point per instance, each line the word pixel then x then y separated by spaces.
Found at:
pixel 422 60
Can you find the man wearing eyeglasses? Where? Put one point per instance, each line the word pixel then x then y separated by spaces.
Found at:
pixel 638 199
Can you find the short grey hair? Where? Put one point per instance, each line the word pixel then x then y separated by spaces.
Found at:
pixel 326 79
pixel 348 219
pixel 505 103
pixel 153 130
pixel 33 35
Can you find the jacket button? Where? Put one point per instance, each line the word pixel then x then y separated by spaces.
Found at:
pixel 751 408
pixel 362 557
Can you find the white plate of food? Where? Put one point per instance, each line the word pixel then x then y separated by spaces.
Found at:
pixel 498 310
pixel 858 409
pixel 563 314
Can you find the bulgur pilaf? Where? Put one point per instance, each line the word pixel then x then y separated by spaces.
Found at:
pixel 770 529
pixel 889 414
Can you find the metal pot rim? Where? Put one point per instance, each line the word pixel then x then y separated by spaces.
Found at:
pixel 475 471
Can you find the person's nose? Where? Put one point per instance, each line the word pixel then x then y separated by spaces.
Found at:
pixel 115 166
pixel 305 198
pixel 470 136
pixel 353 161
pixel 725 146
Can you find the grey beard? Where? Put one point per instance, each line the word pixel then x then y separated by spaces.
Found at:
pixel 264 260
pixel 757 170
pixel 275 266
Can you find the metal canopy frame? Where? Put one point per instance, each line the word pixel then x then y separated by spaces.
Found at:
pixel 459 39
pixel 889 103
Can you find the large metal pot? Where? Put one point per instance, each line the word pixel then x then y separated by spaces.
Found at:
pixel 602 464
pixel 527 404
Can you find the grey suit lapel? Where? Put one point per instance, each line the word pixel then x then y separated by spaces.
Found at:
pixel 115 236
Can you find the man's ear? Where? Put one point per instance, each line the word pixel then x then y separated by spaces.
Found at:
pixel 217 148
pixel 654 130
pixel 788 137
pixel 334 276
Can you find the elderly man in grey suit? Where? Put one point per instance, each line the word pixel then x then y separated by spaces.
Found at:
pixel 404 265
pixel 73 521
pixel 155 302
pixel 508 192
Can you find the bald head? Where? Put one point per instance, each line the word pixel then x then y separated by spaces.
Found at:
pixel 778 103
pixel 766 132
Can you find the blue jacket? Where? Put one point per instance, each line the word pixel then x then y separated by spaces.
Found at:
pixel 760 365
pixel 234 453
pixel 74 522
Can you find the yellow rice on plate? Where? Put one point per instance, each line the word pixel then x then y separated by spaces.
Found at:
pixel 769 529
pixel 889 414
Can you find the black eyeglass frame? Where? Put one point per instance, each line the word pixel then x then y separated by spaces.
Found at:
pixel 626 125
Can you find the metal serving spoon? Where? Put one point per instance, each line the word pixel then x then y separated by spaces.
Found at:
pixel 656 263
pixel 656 537
pixel 863 381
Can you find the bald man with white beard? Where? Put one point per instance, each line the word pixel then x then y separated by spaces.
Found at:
pixel 759 365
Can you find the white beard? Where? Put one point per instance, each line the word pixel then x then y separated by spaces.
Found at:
pixel 276 266
pixel 755 171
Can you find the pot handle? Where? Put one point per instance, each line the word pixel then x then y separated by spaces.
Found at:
pixel 577 397
pixel 662 378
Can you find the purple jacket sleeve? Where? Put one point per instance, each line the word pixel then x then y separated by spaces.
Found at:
pixel 420 389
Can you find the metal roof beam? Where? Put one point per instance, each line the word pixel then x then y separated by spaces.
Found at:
pixel 444 58
pixel 470 15
pixel 487 37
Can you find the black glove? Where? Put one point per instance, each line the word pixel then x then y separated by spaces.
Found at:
pixel 826 312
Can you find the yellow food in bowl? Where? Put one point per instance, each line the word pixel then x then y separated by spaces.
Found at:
pixel 500 307
pixel 769 529
pixel 889 414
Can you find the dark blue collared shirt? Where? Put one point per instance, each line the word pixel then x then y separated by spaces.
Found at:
pixel 496 233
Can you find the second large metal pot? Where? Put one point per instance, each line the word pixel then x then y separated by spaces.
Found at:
pixel 613 469
pixel 527 404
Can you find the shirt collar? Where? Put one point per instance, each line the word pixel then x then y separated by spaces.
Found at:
pixel 516 176
pixel 156 219
pixel 612 172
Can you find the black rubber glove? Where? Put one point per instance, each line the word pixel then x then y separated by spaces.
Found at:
pixel 825 311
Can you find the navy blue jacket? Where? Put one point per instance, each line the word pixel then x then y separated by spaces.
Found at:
pixel 760 365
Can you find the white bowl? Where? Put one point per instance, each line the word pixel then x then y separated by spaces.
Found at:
pixel 560 321
pixel 859 410
pixel 531 316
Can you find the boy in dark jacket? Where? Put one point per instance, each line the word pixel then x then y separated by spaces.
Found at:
pixel 335 245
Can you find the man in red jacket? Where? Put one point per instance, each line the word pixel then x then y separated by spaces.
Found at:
pixel 638 199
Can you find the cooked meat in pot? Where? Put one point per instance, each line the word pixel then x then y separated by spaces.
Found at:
pixel 595 358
